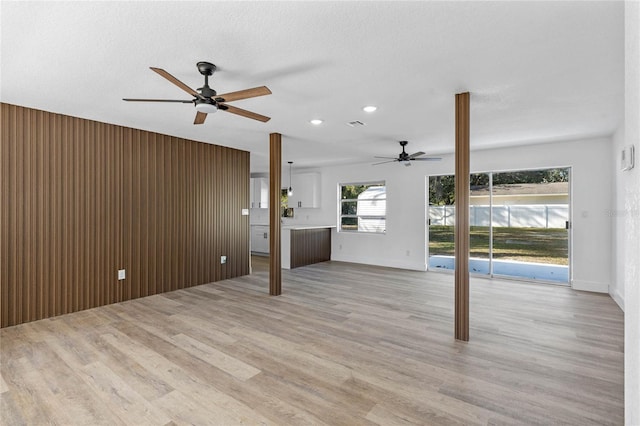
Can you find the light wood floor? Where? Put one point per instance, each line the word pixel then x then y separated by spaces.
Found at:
pixel 344 345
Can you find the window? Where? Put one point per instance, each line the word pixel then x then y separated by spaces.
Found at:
pixel 363 207
pixel 285 210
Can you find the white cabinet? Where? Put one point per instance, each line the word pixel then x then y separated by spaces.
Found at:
pixel 306 191
pixel 260 238
pixel 259 191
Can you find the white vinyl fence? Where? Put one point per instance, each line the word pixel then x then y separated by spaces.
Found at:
pixel 515 216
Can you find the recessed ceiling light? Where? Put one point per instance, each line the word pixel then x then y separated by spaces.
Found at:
pixel 316 121
pixel 369 108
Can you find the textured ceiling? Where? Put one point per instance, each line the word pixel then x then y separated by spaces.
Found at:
pixel 537 71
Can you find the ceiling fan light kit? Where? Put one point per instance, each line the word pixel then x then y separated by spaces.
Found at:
pixel 206 106
pixel 206 100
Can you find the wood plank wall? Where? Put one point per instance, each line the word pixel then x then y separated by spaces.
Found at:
pixel 82 199
pixel 310 246
pixel 461 230
pixel 275 220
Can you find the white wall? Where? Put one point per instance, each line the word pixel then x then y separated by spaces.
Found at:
pixel 618 219
pixel 404 244
pixel 590 192
pixel 629 190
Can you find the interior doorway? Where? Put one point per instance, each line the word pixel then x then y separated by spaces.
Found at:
pixel 519 224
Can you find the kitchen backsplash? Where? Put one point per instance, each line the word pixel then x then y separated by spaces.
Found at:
pixel 300 216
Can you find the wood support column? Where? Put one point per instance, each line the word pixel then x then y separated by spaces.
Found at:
pixel 275 176
pixel 461 236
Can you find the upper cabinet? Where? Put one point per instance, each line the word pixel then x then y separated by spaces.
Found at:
pixel 259 191
pixel 306 191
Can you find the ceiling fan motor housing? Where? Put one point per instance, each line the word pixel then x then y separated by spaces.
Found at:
pixel 403 156
pixel 207 91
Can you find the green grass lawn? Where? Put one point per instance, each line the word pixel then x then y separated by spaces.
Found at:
pixel 539 245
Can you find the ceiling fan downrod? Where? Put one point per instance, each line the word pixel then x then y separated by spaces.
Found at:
pixel 206 69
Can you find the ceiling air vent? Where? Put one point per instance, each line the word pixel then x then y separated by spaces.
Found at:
pixel 356 123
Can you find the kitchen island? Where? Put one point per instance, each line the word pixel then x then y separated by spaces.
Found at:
pixel 304 245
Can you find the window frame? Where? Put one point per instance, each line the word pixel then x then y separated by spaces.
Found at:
pixel 341 201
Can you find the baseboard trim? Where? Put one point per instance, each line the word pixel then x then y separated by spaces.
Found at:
pixel 381 262
pixel 615 295
pixel 593 286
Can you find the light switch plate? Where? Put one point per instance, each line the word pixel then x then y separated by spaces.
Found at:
pixel 245 212
pixel 223 259
pixel 121 274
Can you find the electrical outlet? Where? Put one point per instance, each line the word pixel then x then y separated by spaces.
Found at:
pixel 223 259
pixel 245 212
pixel 121 274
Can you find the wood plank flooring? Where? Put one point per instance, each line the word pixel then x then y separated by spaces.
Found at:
pixel 343 345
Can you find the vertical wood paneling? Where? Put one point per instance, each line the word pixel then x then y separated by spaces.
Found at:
pixel 217 214
pixel 111 184
pixel 461 231
pixel 4 215
pixel 42 171
pixel 54 207
pixel 275 171
pixel 28 297
pixel 185 199
pixel 17 179
pixel 310 246
pixel 82 199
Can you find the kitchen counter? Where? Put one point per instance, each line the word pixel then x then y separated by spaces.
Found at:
pixel 309 252
pixel 305 244
pixel 297 227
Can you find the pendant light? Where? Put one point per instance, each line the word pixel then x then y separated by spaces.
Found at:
pixel 290 191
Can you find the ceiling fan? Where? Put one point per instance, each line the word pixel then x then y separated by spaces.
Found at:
pixel 406 158
pixel 206 100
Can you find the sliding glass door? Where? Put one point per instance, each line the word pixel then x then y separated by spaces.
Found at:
pixel 480 228
pixel 519 224
pixel 530 215
pixel 441 216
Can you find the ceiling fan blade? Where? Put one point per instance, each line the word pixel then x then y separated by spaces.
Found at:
pixel 416 154
pixel 388 158
pixel 177 82
pixel 155 100
pixel 427 159
pixel 244 113
pixel 200 117
pixel 382 162
pixel 243 94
